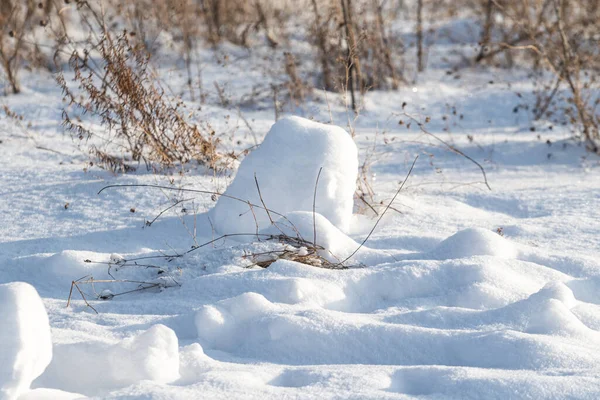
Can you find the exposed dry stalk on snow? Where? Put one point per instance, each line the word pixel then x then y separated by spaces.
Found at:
pixel 382 214
pixel 75 284
pixel 110 162
pixel 175 204
pixel 314 206
pixel 450 147
pixel 302 248
pixel 125 263
pixel 296 247
pixel 134 109
pixel 107 295
pixel 308 255
pixel 364 188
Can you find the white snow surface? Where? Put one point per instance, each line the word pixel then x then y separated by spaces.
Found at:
pixel 286 167
pixel 25 343
pixel 152 355
pixel 437 303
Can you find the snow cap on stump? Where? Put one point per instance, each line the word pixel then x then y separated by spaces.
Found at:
pixel 286 166
pixel 25 341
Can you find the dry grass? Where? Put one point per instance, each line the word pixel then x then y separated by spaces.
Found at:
pixel 352 41
pixel 132 106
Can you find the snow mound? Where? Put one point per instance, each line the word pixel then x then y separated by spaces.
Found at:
pixel 286 165
pixel 474 242
pixel 337 244
pixel 475 283
pixel 152 355
pixel 551 314
pixel 25 341
pixel 557 291
pixel 222 325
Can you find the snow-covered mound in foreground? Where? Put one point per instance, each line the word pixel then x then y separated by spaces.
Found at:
pixel 152 355
pixel 286 166
pixel 538 331
pixel 25 341
pixel 50 394
pixel 474 242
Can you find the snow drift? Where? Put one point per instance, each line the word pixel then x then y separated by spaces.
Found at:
pixel 25 342
pixel 286 166
pixel 153 355
pixel 474 242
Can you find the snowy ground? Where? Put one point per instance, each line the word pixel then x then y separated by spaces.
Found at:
pixel 429 313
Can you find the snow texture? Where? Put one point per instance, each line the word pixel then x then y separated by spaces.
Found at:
pixel 25 342
pixel 152 355
pixel 474 242
pixel 286 166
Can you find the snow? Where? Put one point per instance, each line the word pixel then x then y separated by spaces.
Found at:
pixel 474 242
pixel 25 343
pixel 49 394
pixel 224 326
pixel 436 304
pixel 152 355
pixel 286 166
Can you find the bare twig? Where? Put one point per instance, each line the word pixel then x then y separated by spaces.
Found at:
pixel 450 147
pixel 149 223
pixel 383 213
pixel 262 201
pixel 75 284
pixel 314 206
pixel 203 192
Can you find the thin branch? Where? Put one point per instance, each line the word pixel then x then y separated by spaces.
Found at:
pixel 75 283
pixel 450 147
pixel 261 199
pixel 149 223
pixel 255 220
pixel 383 213
pixel 203 192
pixel 314 207
pixel 362 198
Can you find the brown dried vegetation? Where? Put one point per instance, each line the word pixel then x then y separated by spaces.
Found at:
pixel 132 106
pixel 354 43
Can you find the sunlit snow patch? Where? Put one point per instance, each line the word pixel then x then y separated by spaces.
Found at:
pixel 88 367
pixel 25 342
pixel 474 242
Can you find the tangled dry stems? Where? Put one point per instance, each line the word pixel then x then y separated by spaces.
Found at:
pixel 134 108
pixel 355 43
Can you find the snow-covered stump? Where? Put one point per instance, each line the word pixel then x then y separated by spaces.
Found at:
pixel 286 166
pixel 25 340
